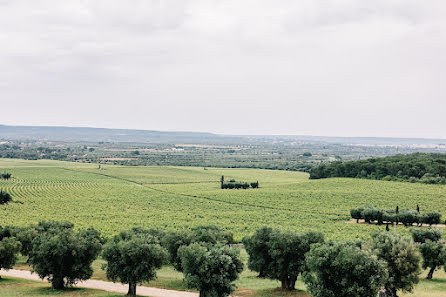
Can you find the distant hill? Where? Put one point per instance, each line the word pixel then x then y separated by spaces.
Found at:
pixel 49 133
pixel 100 134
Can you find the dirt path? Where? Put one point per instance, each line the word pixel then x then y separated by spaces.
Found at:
pixel 106 286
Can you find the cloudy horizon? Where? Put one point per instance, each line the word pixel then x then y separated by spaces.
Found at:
pixel 328 68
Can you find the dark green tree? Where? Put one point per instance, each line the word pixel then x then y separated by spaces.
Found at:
pixel 25 235
pixel 343 270
pixel 287 251
pixel 402 261
pixel 4 197
pixel 211 269
pixel 65 256
pixel 434 256
pixel 211 235
pixel 133 257
pixel 257 247
pixel 9 249
pixel 421 235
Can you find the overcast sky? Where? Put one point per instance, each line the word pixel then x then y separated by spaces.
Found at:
pixel 336 68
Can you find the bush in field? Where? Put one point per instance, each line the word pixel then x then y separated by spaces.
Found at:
pixel 356 214
pixel 211 234
pixel 287 251
pixel 434 256
pixel 63 255
pixel 4 197
pixel 343 270
pixel 402 261
pixel 255 185
pixel 408 217
pixel 5 176
pixel 211 270
pixel 421 235
pixel 133 257
pixel 431 218
pixel 9 249
pixel 257 247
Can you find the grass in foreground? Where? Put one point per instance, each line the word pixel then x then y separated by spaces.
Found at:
pixel 14 287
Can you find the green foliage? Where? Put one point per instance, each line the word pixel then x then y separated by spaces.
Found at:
pixel 210 234
pixel 421 235
pixel 286 255
pixel 9 248
pixel 133 257
pixel 405 216
pixel 434 256
pixel 63 255
pixel 25 235
pixel 257 247
pixel 402 260
pixel 343 270
pixel 5 197
pixel 211 270
pixel 418 167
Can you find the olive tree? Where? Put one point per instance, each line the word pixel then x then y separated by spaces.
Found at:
pixel 25 235
pixel 211 269
pixel 65 256
pixel 434 256
pixel 421 235
pixel 402 261
pixel 257 247
pixel 211 235
pixel 287 251
pixel 343 270
pixel 9 248
pixel 133 257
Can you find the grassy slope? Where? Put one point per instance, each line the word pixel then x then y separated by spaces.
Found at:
pixel 116 198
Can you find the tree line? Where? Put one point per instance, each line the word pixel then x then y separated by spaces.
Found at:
pixel 407 217
pixel 417 167
pixel 57 251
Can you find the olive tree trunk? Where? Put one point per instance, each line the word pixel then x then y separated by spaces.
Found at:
pixel 132 289
pixel 57 283
pixel 431 273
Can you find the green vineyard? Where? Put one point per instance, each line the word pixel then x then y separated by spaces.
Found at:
pixel 112 198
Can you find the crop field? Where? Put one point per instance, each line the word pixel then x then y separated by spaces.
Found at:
pixel 117 197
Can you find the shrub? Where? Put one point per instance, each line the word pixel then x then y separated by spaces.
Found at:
pixel 344 270
pixel 211 270
pixel 431 218
pixel 421 235
pixel 408 217
pixel 5 176
pixel 356 214
pixel 5 197
pixel 255 185
pixel 65 256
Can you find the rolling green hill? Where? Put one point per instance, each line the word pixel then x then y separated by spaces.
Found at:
pixel 118 197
